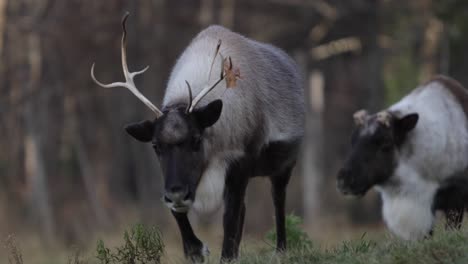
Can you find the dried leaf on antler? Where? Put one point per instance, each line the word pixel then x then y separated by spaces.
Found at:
pixel 231 73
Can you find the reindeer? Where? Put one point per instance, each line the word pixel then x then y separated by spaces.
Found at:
pixel 209 148
pixel 415 153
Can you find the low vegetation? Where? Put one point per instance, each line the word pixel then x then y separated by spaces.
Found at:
pixel 143 245
pixel 296 238
pixel 444 247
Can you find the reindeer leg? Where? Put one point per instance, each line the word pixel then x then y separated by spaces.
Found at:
pixel 236 184
pixel 454 218
pixel 279 183
pixel 241 224
pixel 194 249
pixel 451 200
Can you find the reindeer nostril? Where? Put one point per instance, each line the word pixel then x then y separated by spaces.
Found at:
pixel 176 194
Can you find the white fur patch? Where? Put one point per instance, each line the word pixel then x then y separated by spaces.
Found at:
pixel 407 205
pixel 205 250
pixel 435 150
pixel 209 194
pixel 210 190
pixel 407 217
pixel 439 142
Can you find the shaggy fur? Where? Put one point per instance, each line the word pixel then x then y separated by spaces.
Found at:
pixel 267 104
pixel 434 152
pixel 415 153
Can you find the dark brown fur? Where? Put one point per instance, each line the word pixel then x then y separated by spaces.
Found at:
pixel 456 88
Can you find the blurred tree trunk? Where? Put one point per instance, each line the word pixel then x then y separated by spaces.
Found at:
pixel 46 67
pixel 25 64
pixel 227 13
pixel 206 16
pixel 352 81
pixel 11 136
pixel 454 13
pixel 35 117
pixel 92 111
pixel 312 159
pixel 431 45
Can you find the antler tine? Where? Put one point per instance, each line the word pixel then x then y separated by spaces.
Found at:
pixel 204 92
pixel 129 83
pixel 207 89
pixel 218 46
pixel 190 97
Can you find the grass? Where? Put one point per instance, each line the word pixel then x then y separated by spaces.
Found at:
pixel 444 247
pixel 143 245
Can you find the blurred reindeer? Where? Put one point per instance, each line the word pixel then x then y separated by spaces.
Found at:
pixel 415 153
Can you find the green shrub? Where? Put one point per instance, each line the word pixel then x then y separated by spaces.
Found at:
pixel 296 238
pixel 141 245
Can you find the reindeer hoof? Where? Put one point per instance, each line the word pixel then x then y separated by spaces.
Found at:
pixel 199 255
pixel 205 250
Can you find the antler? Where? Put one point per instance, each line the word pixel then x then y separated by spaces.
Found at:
pixel 208 88
pixel 360 117
pixel 384 117
pixel 190 97
pixel 129 83
pixel 204 92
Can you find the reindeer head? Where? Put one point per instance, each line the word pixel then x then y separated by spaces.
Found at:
pixel 374 150
pixel 176 135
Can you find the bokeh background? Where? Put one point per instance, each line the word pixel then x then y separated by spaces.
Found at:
pixel 69 172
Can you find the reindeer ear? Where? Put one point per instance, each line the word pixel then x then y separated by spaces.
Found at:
pixel 141 131
pixel 208 115
pixel 404 125
pixel 407 123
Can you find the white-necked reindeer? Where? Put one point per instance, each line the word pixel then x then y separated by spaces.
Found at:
pixel 415 153
pixel 209 148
